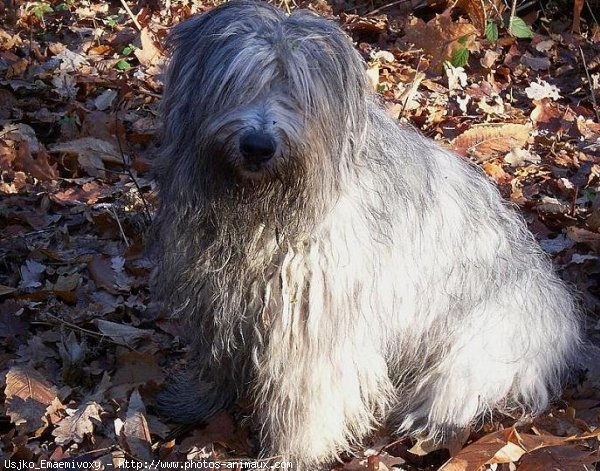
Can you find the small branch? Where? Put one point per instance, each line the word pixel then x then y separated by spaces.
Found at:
pixel 589 7
pixel 131 15
pixel 88 332
pixel 116 216
pixel 513 12
pixel 412 90
pixel 384 7
pixel 589 79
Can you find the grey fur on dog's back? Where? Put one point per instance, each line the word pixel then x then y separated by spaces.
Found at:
pixel 363 275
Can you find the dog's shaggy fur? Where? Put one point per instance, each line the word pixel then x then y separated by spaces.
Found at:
pixel 357 274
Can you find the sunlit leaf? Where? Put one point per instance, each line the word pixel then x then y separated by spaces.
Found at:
pixel 491 31
pixel 519 29
pixel 460 58
pixel 123 65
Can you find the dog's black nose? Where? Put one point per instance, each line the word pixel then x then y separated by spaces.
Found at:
pixel 257 147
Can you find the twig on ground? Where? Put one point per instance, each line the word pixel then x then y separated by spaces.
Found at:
pixel 411 90
pixel 131 15
pixel 92 333
pixel 388 5
pixel 513 12
pixel 116 216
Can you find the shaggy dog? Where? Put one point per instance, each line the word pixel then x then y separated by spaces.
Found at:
pixel 340 271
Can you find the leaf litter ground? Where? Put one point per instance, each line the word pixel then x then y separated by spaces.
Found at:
pixel 84 349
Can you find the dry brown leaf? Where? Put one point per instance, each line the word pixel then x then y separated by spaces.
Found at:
pixel 91 153
pixel 135 368
pixel 577 234
pixel 74 428
pixel 120 332
pixel 490 58
pixel 105 99
pixel 39 166
pixel 476 455
pixel 535 62
pixel 28 395
pixel 439 38
pixel 220 428
pixel 102 273
pixel 21 150
pixel 148 55
pixel 510 446
pixel 534 442
pixel 475 9
pixel 563 458
pixel 545 111
pixel 491 140
pixel 8 155
pixel 88 193
pixel 453 444
pixel 518 157
pixel 509 453
pixel 135 432
pixel 589 129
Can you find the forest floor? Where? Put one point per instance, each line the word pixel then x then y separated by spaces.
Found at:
pixel 83 348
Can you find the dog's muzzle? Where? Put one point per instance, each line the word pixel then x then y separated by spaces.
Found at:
pixel 257 148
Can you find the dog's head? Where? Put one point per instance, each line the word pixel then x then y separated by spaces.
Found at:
pixel 254 95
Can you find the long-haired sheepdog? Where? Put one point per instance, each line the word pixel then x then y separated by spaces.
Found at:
pixel 339 271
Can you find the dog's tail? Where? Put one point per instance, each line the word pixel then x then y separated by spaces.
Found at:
pixel 186 400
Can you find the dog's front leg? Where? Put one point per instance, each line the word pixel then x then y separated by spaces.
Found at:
pixel 321 381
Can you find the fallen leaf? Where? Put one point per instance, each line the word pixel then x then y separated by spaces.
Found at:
pixel 25 152
pixel 476 455
pixel 135 432
pixel 556 245
pixel 497 173
pixel 489 140
pixel 220 428
pixel 91 153
pixel 475 9
pixel 102 273
pixel 535 62
pixel 592 239
pixel 517 157
pixel 489 59
pixel 457 78
pixel 28 395
pixel 31 274
pixel 70 61
pixel 542 89
pixel 148 55
pixel 384 56
pixel 120 332
pixel 105 99
pixel 563 458
pixel 75 427
pixel 441 37
pixel 65 85
pixel 135 369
